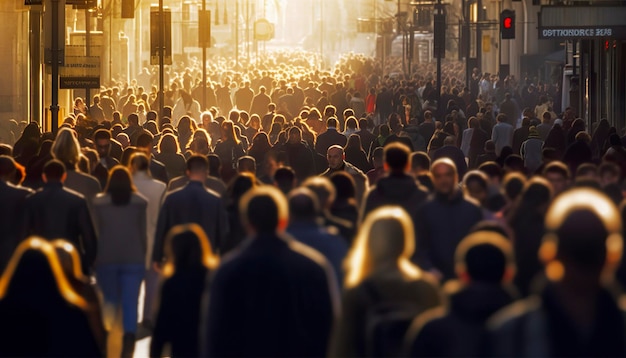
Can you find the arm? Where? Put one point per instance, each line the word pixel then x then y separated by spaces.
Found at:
pixel 161 230
pixel 88 235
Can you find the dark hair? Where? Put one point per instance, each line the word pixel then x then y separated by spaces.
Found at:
pixel 332 122
pixel 120 185
pixel 140 161
pixel 344 185
pixel 168 144
pixel 396 156
pixel 127 154
pixel 485 262
pixel 492 169
pixel 586 169
pixel 513 185
pixel 145 139
pixel 7 167
pixel 476 176
pixel 197 163
pixel 515 163
pixel 239 186
pixel 284 179
pixel 303 204
pixel 246 164
pixel 102 134
pixel 420 159
pixel 261 210
pixel 214 164
pixel 54 170
pixel 557 168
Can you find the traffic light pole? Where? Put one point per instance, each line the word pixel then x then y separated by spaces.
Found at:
pixel 54 103
pixel 161 59
pixel 204 104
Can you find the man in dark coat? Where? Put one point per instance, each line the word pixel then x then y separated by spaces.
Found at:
pixel 511 109
pixel 193 203
pixel 260 103
pixel 444 220
pixel 520 135
pixel 157 169
pixel 56 212
pixel 452 152
pixel 11 210
pixel 397 188
pixel 367 137
pixel 102 140
pixel 243 97
pixel 273 297
pixel 330 137
pixel 300 157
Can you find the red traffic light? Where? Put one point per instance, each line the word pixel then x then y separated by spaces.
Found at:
pixel 507 22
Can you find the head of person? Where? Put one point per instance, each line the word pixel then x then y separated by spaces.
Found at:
pixel 609 173
pixel 303 205
pixel 354 142
pixel 66 148
pixel 534 199
pixel 215 164
pixel 69 258
pixel 335 156
pixel 378 158
pixel 323 189
pixel 344 186
pixel 558 174
pixel 197 168
pixel 264 211
pixel 332 122
pixel 476 186
pixel 54 172
pixel 420 163
pixel 397 158
pixel 285 179
pixel 386 239
pixel 7 168
pixel 246 164
pixel 102 141
pixel 168 144
pixel 187 247
pixel 445 177
pixel 145 141
pixel 501 118
pixel 240 185
pixel 133 120
pixel 34 271
pixel 583 242
pixel 295 135
pixel 139 162
pixel 512 186
pixel 228 131
pixel 120 185
pixel 485 257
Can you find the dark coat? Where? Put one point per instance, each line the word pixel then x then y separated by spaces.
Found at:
pixel 301 160
pixel 175 164
pixel 443 223
pixel 273 297
pixel 158 171
pixel 396 189
pixel 519 136
pixel 213 183
pixel 329 138
pixel 461 331
pixel 576 154
pixel 191 204
pixel 477 146
pixel 11 218
pixel 101 172
pixel 178 316
pixel 366 138
pixel 455 154
pixel 333 247
pixel 358 158
pixel 55 212
pixel 37 321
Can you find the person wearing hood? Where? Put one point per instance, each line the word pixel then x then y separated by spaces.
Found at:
pixel 531 150
pixel 398 187
pixel 484 266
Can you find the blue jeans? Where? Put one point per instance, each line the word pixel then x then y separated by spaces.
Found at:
pixel 120 284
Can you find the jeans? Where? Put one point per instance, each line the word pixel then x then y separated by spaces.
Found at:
pixel 120 284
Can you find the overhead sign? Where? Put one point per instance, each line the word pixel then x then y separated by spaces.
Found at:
pixel 582 32
pixel 80 72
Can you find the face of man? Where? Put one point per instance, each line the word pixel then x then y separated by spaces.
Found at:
pixel 335 158
pixel 444 179
pixel 476 191
pixel 558 182
pixel 103 146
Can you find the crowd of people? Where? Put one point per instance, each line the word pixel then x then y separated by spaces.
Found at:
pixel 298 212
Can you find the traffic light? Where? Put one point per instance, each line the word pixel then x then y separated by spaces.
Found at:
pixel 507 24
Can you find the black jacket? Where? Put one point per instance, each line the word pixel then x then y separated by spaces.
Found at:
pixel 178 316
pixel 192 204
pixel 329 138
pixel 461 331
pixel 396 189
pixel 301 160
pixel 11 219
pixel 273 297
pixel 55 212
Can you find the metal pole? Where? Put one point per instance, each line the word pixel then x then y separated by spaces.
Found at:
pixel 439 11
pixel 204 104
pixel 236 24
pixel 54 103
pixel 161 58
pixel 87 51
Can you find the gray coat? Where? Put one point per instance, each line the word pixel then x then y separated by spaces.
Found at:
pixel 121 230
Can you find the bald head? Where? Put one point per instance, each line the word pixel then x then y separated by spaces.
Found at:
pixel 445 176
pixel 335 157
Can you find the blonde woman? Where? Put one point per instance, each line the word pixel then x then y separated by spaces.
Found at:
pixel 382 288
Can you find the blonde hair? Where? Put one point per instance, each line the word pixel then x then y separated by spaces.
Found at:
pixel 360 263
pixel 66 147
